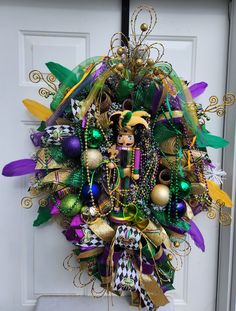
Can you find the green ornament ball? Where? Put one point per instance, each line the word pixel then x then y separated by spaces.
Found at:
pixel 94 137
pixel 184 188
pixel 70 205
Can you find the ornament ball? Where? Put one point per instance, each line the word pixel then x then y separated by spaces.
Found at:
pixel 94 137
pixel 95 189
pixel 92 158
pixel 160 195
pixel 144 27
pixel 180 206
pixel 71 146
pixel 120 67
pixel 70 205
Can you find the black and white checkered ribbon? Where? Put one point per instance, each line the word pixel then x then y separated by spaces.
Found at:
pixel 90 239
pixel 77 109
pixel 127 278
pixel 55 134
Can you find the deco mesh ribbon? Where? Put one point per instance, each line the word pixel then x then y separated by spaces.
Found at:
pixel 121 163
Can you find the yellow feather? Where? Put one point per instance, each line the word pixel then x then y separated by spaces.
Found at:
pixel 37 110
pixel 217 194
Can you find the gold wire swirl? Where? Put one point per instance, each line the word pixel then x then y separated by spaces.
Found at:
pixel 152 16
pixel 136 48
pixel 211 213
pixel 27 202
pixel 218 207
pixel 43 202
pixel 67 263
pixel 77 280
pixel 219 109
pixel 36 76
pixel 176 263
pixel 97 293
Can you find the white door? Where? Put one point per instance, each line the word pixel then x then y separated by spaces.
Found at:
pixel 31 34
pixel 195 36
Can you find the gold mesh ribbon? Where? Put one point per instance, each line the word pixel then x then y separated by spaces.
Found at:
pixel 102 230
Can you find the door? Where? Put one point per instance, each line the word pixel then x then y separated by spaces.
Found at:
pixel 32 33
pixel 195 36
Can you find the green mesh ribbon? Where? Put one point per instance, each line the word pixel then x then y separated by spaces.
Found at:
pixel 68 78
pixel 56 153
pixel 124 89
pixel 76 179
pixel 162 218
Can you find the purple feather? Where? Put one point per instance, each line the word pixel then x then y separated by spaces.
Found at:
pixel 198 88
pixel 196 235
pixel 19 167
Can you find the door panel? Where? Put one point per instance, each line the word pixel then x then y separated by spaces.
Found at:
pixel 195 37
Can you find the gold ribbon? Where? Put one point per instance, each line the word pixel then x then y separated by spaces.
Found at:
pixel 57 177
pixel 154 233
pixel 91 253
pixel 175 114
pixel 102 230
pixel 153 290
pixel 42 163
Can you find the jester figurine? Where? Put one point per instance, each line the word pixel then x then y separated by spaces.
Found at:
pixel 124 152
pixel 121 164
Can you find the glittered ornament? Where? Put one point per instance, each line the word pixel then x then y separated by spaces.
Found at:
pixel 70 205
pixel 160 195
pixel 92 158
pixel 184 188
pixel 94 189
pixel 179 206
pixel 94 137
pixel 71 146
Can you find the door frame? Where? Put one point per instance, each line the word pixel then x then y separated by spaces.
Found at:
pixel 226 284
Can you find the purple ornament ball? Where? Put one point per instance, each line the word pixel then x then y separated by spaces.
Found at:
pixel 71 146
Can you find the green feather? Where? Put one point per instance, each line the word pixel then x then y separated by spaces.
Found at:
pixel 209 140
pixel 44 214
pixel 62 73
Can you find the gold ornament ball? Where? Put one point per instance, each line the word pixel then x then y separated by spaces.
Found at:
pixel 150 62
pixel 144 27
pixel 139 62
pixel 120 51
pixel 160 195
pixel 169 257
pixel 119 67
pixel 92 158
pixel 176 244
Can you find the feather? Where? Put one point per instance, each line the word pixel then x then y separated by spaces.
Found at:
pixel 19 167
pixel 62 73
pixel 218 194
pixel 197 89
pixel 37 110
pixel 196 235
pixel 205 139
